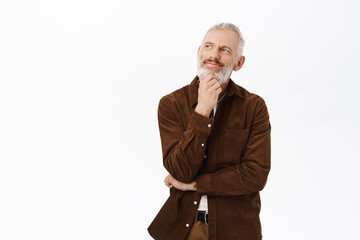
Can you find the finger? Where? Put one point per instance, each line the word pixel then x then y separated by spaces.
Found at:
pixel 166 180
pixel 213 77
pixel 213 85
pixel 216 85
pixel 212 82
pixel 209 77
pixel 169 185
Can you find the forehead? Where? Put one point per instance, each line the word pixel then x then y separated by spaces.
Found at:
pixel 222 37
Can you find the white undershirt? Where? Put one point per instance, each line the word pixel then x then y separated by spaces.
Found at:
pixel 203 205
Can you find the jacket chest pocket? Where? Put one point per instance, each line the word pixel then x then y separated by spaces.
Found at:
pixel 234 144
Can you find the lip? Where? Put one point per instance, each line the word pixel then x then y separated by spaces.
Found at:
pixel 213 64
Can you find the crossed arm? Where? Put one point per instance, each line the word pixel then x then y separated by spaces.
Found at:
pixel 184 155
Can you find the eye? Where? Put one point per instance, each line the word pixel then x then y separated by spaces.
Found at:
pixel 207 46
pixel 226 50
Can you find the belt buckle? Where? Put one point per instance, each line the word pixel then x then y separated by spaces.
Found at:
pixel 206 218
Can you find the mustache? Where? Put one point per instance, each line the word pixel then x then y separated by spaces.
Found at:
pixel 213 61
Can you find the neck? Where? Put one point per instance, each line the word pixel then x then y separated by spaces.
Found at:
pixel 223 87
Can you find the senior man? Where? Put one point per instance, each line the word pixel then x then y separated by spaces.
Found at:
pixel 215 139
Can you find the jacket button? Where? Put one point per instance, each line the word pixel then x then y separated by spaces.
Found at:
pixel 187 225
pixel 205 156
pixel 202 144
pixel 209 125
pixel 195 202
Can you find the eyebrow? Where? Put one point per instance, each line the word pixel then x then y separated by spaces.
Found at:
pixel 208 42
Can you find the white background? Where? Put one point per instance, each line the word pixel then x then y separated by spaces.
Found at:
pixel 80 154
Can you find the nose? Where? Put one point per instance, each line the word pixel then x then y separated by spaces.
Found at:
pixel 214 54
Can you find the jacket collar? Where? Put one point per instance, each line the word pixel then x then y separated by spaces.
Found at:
pixel 232 89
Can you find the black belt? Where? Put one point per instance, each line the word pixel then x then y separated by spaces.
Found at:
pixel 203 217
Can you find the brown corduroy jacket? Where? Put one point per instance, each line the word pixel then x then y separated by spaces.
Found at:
pixel 228 156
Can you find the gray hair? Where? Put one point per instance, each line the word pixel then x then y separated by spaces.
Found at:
pixel 232 27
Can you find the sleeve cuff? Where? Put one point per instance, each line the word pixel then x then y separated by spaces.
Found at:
pixel 201 123
pixel 205 185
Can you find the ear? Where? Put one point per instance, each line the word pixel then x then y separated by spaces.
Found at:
pixel 239 63
pixel 198 51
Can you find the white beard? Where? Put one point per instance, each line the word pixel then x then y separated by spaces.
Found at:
pixel 223 75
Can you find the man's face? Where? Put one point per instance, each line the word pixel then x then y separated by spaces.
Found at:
pixel 217 54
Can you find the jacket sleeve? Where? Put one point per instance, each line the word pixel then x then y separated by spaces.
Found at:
pixel 183 147
pixel 250 175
